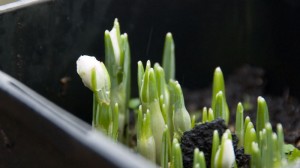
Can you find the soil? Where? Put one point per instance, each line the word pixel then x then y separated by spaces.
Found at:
pixel 201 137
pixel 245 85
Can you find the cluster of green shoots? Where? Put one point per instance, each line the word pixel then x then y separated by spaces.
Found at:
pixel 162 117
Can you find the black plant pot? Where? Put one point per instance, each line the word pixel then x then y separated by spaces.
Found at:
pixel 41 41
pixel 36 133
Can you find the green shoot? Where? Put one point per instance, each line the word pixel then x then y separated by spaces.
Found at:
pixel 141 72
pixel 219 85
pixel 117 59
pixel 225 157
pixel 145 140
pixel 239 124
pixel 280 141
pixel 115 122
pixel 163 91
pixel 176 155
pixel 169 58
pixel 211 116
pixel 262 116
pixel 181 118
pixel 204 115
pixel 255 156
pixel 166 148
pixel 215 146
pixel 193 121
pixel 220 108
pixel 163 115
pixel 250 136
pixel 199 159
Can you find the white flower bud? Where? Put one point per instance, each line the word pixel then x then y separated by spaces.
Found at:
pixel 225 155
pixel 85 66
pixel 115 44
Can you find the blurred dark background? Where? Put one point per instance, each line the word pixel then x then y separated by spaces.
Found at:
pixel 39 45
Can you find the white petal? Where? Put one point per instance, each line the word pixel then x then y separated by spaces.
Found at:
pixel 115 44
pixel 85 65
pixel 228 156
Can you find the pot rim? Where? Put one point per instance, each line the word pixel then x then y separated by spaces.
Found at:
pixel 19 4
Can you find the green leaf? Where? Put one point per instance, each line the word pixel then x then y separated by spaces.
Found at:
pixel 146 144
pixel 177 156
pixel 204 115
pixel 165 150
pixel 239 124
pixel 145 89
pixel 199 159
pixel 126 74
pixel 118 61
pixel 163 91
pixel 255 156
pixel 280 141
pixel 157 126
pixel 262 115
pixel 270 150
pixel 134 103
pixel 247 120
pixel 193 121
pixel 115 122
pixel 215 146
pixel 181 118
pixel 95 104
pixel 140 77
pixel 153 92
pixel 294 155
pixel 219 110
pixel 219 85
pixel 211 116
pixel 263 147
pixel 288 148
pixel 139 122
pixel 169 58
pixel 250 136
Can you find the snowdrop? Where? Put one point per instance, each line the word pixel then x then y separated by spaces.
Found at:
pixel 93 73
pixel 225 155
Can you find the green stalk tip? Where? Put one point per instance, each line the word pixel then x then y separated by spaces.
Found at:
pixel 204 115
pixel 141 72
pixel 255 161
pixel 220 107
pixel 219 85
pixel 280 141
pixel 211 116
pixel 153 92
pixel 165 148
pixel 262 116
pixel 247 120
pixel 199 159
pixel 181 117
pixel 239 124
pixel 146 145
pixel 215 146
pixel 269 145
pixel 177 155
pixel 168 61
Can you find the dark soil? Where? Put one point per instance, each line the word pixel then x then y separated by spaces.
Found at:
pixel 201 137
pixel 245 85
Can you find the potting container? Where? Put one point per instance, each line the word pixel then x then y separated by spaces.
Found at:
pixel 34 132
